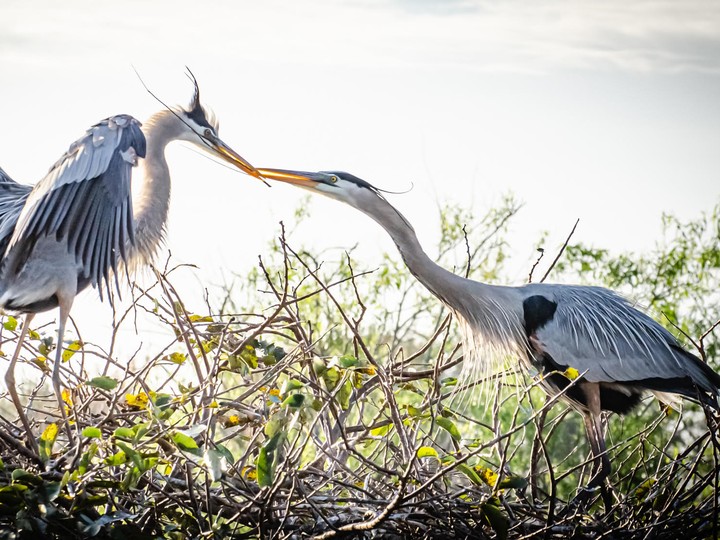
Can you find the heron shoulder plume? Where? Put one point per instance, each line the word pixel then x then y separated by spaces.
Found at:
pixel 490 316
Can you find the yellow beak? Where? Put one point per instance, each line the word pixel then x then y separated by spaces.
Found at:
pixel 298 178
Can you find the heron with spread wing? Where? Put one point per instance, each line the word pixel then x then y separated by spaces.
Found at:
pixel 620 352
pixel 83 224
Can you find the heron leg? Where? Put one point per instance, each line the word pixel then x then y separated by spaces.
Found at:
pixel 65 306
pixel 10 383
pixel 593 426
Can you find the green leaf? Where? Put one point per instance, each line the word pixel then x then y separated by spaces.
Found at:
pixel 294 401
pixel 414 411
pixel 513 482
pixel 10 323
pixel 344 395
pixel 50 491
pixel 264 466
pixel 124 433
pixel 381 430
pixel 86 459
pixel 102 382
pixel 92 433
pixel 266 461
pixel 227 454
pixel 449 426
pixel 141 464
pixel 116 459
pixel 471 474
pixel 331 376
pixel 186 443
pixel 275 425
pixel 291 385
pixel 496 518
pixel 162 401
pixel 24 477
pixel 347 361
pixel 427 451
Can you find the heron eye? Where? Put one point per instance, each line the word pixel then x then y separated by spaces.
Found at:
pixel 208 132
pixel 333 179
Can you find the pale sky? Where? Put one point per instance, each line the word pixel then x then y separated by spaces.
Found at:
pixel 606 111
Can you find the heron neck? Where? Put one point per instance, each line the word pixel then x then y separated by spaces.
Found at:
pixel 151 197
pixel 490 316
pixel 439 281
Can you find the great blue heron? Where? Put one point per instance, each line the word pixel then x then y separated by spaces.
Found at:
pixel 80 225
pixel 620 351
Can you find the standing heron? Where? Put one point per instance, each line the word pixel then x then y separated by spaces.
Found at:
pixel 82 223
pixel 620 351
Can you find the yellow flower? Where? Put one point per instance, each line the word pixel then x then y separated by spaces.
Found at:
pixel 249 473
pixel 67 396
pixel 138 401
pixel 488 476
pixel 231 421
pixel 571 373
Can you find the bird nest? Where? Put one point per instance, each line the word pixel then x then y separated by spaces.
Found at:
pixel 252 425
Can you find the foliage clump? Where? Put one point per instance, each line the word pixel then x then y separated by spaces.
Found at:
pixel 326 400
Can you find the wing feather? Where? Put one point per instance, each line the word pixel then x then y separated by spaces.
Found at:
pixel 12 200
pixel 601 334
pixel 85 200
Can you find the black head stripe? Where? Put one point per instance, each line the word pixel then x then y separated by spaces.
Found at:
pixel 353 179
pixel 197 114
pixel 196 111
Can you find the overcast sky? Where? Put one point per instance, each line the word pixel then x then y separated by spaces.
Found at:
pixel 606 111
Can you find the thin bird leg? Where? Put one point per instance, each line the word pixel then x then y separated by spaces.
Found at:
pixel 593 426
pixel 597 448
pixel 65 305
pixel 10 382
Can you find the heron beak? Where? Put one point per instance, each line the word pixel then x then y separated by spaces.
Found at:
pixel 232 157
pixel 298 178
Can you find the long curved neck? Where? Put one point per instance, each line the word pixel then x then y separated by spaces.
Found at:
pixel 439 281
pixel 151 197
pixel 490 315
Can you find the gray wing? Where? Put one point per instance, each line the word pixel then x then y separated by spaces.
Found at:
pixel 599 333
pixel 12 200
pixel 85 200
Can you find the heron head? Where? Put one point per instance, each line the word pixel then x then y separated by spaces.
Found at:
pixel 339 185
pixel 202 130
pixel 344 187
